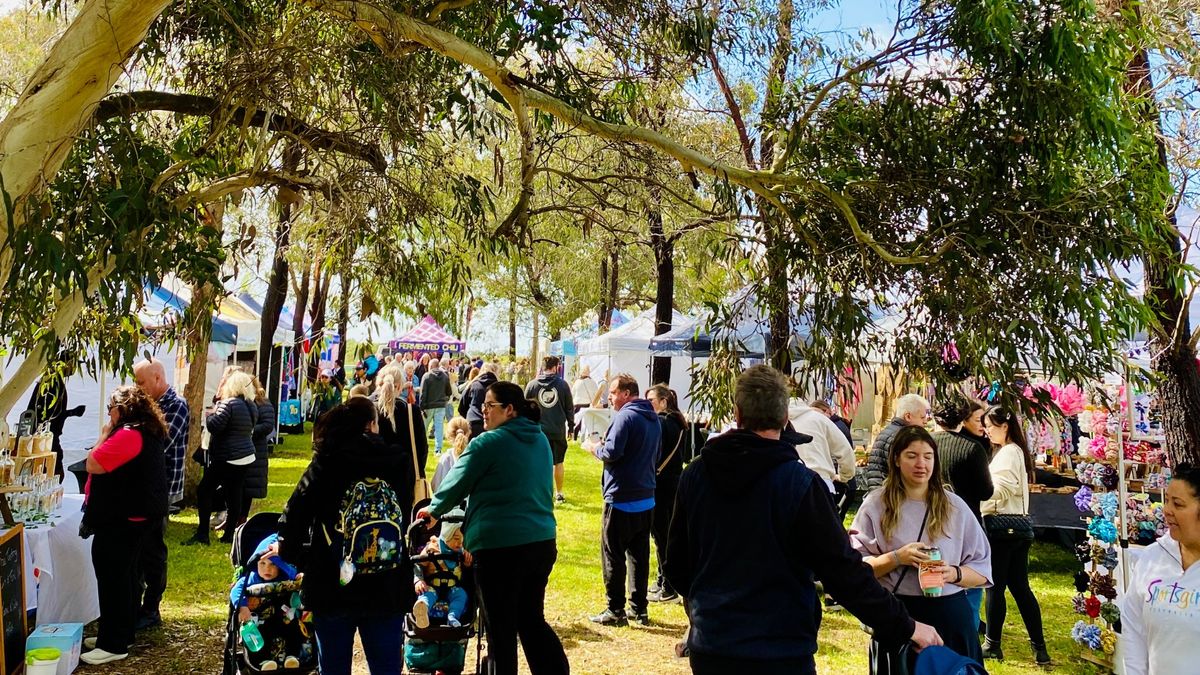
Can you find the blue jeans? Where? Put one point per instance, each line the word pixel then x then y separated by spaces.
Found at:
pixel 382 639
pixel 975 599
pixel 438 416
pixel 456 601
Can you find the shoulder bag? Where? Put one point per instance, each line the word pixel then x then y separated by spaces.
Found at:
pixel 1011 526
pixel 668 458
pixel 421 491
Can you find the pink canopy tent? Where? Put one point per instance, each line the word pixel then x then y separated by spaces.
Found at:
pixel 429 337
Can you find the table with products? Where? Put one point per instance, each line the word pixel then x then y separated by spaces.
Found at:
pixel 59 580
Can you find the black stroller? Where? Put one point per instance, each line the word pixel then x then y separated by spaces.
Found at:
pixel 440 648
pixel 285 628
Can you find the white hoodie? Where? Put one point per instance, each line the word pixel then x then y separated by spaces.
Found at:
pixel 1160 614
pixel 828 444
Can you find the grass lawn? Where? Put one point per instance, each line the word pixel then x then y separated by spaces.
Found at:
pixel 194 612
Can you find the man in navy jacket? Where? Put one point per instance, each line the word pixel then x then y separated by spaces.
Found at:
pixel 751 527
pixel 629 451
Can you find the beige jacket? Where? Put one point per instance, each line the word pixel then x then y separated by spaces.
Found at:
pixel 1010 483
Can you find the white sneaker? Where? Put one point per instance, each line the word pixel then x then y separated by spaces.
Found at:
pixel 89 643
pixel 421 614
pixel 99 656
pixel 453 622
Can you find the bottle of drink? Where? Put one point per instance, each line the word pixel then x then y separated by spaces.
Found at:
pixel 251 637
pixel 930 578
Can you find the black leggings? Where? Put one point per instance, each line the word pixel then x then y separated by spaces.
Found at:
pixel 230 477
pixel 1010 569
pixel 115 551
pixel 512 583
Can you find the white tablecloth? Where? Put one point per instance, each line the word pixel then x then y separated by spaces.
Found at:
pixel 593 420
pixel 64 588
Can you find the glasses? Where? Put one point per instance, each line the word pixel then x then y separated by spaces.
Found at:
pixel 492 404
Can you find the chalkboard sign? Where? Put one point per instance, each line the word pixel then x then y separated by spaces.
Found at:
pixel 12 600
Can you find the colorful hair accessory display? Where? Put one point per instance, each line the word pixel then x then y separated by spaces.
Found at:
pixel 1097 554
pixel 1108 641
pixel 1108 478
pixel 1110 559
pixel 1086 634
pixel 1108 505
pixel 1110 613
pixel 1083 499
pixel 1091 606
pixel 1069 400
pixel 1081 581
pixel 1103 530
pixel 1098 448
pixel 1083 552
pixel 1103 584
pixel 1079 603
pixel 1099 423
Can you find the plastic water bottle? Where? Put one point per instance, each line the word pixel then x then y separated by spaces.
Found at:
pixel 251 637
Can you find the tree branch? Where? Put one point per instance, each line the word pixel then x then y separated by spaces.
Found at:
pixel 204 106
pixel 445 6
pixel 244 180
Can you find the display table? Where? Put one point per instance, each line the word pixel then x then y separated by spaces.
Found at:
pixel 59 578
pixel 593 420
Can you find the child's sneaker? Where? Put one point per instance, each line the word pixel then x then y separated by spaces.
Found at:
pixel 268 665
pixel 421 613
pixel 291 663
pixel 452 621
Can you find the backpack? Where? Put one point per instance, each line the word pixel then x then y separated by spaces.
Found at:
pixel 371 530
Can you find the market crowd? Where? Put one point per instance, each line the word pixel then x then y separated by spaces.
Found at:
pixel 748 534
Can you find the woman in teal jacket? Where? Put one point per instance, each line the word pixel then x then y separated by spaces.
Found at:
pixel 506 475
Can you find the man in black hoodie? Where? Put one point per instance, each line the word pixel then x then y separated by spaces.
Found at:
pixel 553 396
pixel 471 403
pixel 751 527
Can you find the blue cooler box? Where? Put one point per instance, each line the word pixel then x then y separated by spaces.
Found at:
pixel 65 637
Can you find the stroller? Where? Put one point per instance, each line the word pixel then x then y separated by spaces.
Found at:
pixel 285 627
pixel 440 648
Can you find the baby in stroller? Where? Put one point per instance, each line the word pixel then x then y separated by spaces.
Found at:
pixel 274 628
pixel 439 581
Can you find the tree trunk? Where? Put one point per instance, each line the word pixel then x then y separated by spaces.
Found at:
pixel 344 320
pixel 272 305
pixel 302 304
pixel 512 326
pixel 604 311
pixel 1174 357
pixel 614 268
pixel 198 319
pixel 664 292
pixel 533 351
pixel 320 299
pixel 59 99
pixel 777 300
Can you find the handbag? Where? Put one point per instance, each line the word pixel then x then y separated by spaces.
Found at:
pixel 1011 526
pixel 421 491
pixel 893 659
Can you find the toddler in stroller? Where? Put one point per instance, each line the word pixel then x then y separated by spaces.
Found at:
pixel 441 624
pixel 438 581
pixel 269 630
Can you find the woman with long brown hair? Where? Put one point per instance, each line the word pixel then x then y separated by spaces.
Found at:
pixel 126 491
pixel 1006 519
pixel 897 529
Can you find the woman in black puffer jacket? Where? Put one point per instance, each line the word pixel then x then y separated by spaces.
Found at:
pixel 256 475
pixel 230 453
